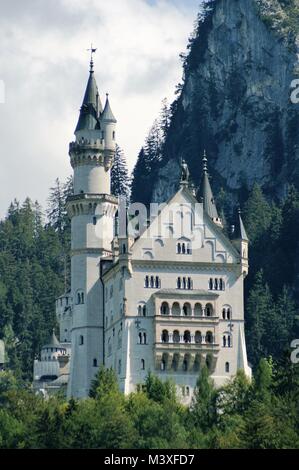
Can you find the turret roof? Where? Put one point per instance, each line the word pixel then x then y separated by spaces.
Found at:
pixel 205 192
pixel 91 106
pixel 107 114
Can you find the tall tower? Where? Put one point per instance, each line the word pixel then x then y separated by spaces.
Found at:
pixel 91 209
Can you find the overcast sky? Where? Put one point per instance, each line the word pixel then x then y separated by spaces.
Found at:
pixel 44 66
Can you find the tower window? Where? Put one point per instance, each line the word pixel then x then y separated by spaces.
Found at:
pixel 119 366
pixel 95 363
pixel 113 135
pixel 81 340
pixel 227 367
pixel 142 364
pixel 94 221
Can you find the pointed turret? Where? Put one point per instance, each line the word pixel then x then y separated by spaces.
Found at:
pixel 107 114
pixel 91 106
pixel 206 195
pixel 108 125
pixel 52 341
pixel 241 241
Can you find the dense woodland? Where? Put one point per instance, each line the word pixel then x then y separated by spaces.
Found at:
pixel 262 414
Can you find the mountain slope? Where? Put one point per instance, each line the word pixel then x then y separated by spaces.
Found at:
pixel 235 101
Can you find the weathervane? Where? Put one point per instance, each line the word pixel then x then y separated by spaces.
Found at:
pixel 92 51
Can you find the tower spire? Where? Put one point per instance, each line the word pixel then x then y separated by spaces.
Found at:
pixel 91 107
pixel 206 194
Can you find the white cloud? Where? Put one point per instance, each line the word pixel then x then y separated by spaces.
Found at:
pixel 44 65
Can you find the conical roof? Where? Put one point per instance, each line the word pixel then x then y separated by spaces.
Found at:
pixel 205 192
pixel 107 114
pixel 240 232
pixel 91 106
pixel 52 341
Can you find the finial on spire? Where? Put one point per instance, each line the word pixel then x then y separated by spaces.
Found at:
pixel 92 51
pixel 205 162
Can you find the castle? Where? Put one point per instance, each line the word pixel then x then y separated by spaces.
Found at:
pixel 162 293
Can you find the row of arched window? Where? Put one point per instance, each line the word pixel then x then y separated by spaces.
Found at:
pixel 183 248
pixel 142 337
pixel 216 284
pixel 226 313
pixel 142 310
pixel 184 283
pixel 152 282
pixel 227 341
pixel 186 337
pixel 80 298
pixel 186 310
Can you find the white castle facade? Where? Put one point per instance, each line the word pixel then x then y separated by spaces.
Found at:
pixel 166 298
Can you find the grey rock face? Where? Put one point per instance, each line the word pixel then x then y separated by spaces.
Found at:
pixel 236 103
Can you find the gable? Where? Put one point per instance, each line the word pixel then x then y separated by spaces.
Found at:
pixel 182 231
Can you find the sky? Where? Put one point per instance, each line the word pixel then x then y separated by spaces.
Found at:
pixel 44 69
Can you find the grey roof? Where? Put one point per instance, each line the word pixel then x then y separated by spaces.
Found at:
pixel 107 114
pixel 206 193
pixel 91 106
pixel 240 232
pixel 188 293
pixel 53 342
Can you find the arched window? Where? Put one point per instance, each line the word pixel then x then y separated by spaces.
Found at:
pixel 157 283
pixel 163 365
pixel 209 337
pixel 144 338
pixel 216 284
pixel 82 298
pixel 179 249
pixel 187 310
pixel 94 221
pixel 184 283
pixel 190 283
pixel 113 135
pixel 198 310
pixel 179 283
pixel 164 308
pixel 227 367
pixel 224 341
pixel 124 249
pixel 81 340
pixel 176 309
pixel 78 298
pixel 95 363
pixel 187 337
pixel 139 310
pixel 223 313
pixel 165 336
pixel 176 336
pixel 228 314
pixel 139 338
pixel 142 364
pixel 144 310
pixel 209 310
pixel 211 284
pixel 220 284
pixel 152 282
pixel 198 337
pixel 183 248
pixel 229 341
pixel 146 282
pixel 185 365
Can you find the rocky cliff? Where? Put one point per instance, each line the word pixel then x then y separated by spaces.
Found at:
pixel 235 100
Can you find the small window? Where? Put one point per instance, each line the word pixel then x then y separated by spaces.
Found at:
pixel 142 364
pixel 95 363
pixel 113 135
pixel 119 366
pixel 144 311
pixel 94 221
pixel 81 340
pixel 227 367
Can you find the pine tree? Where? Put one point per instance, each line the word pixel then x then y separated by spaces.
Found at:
pixel 120 181
pixel 257 214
